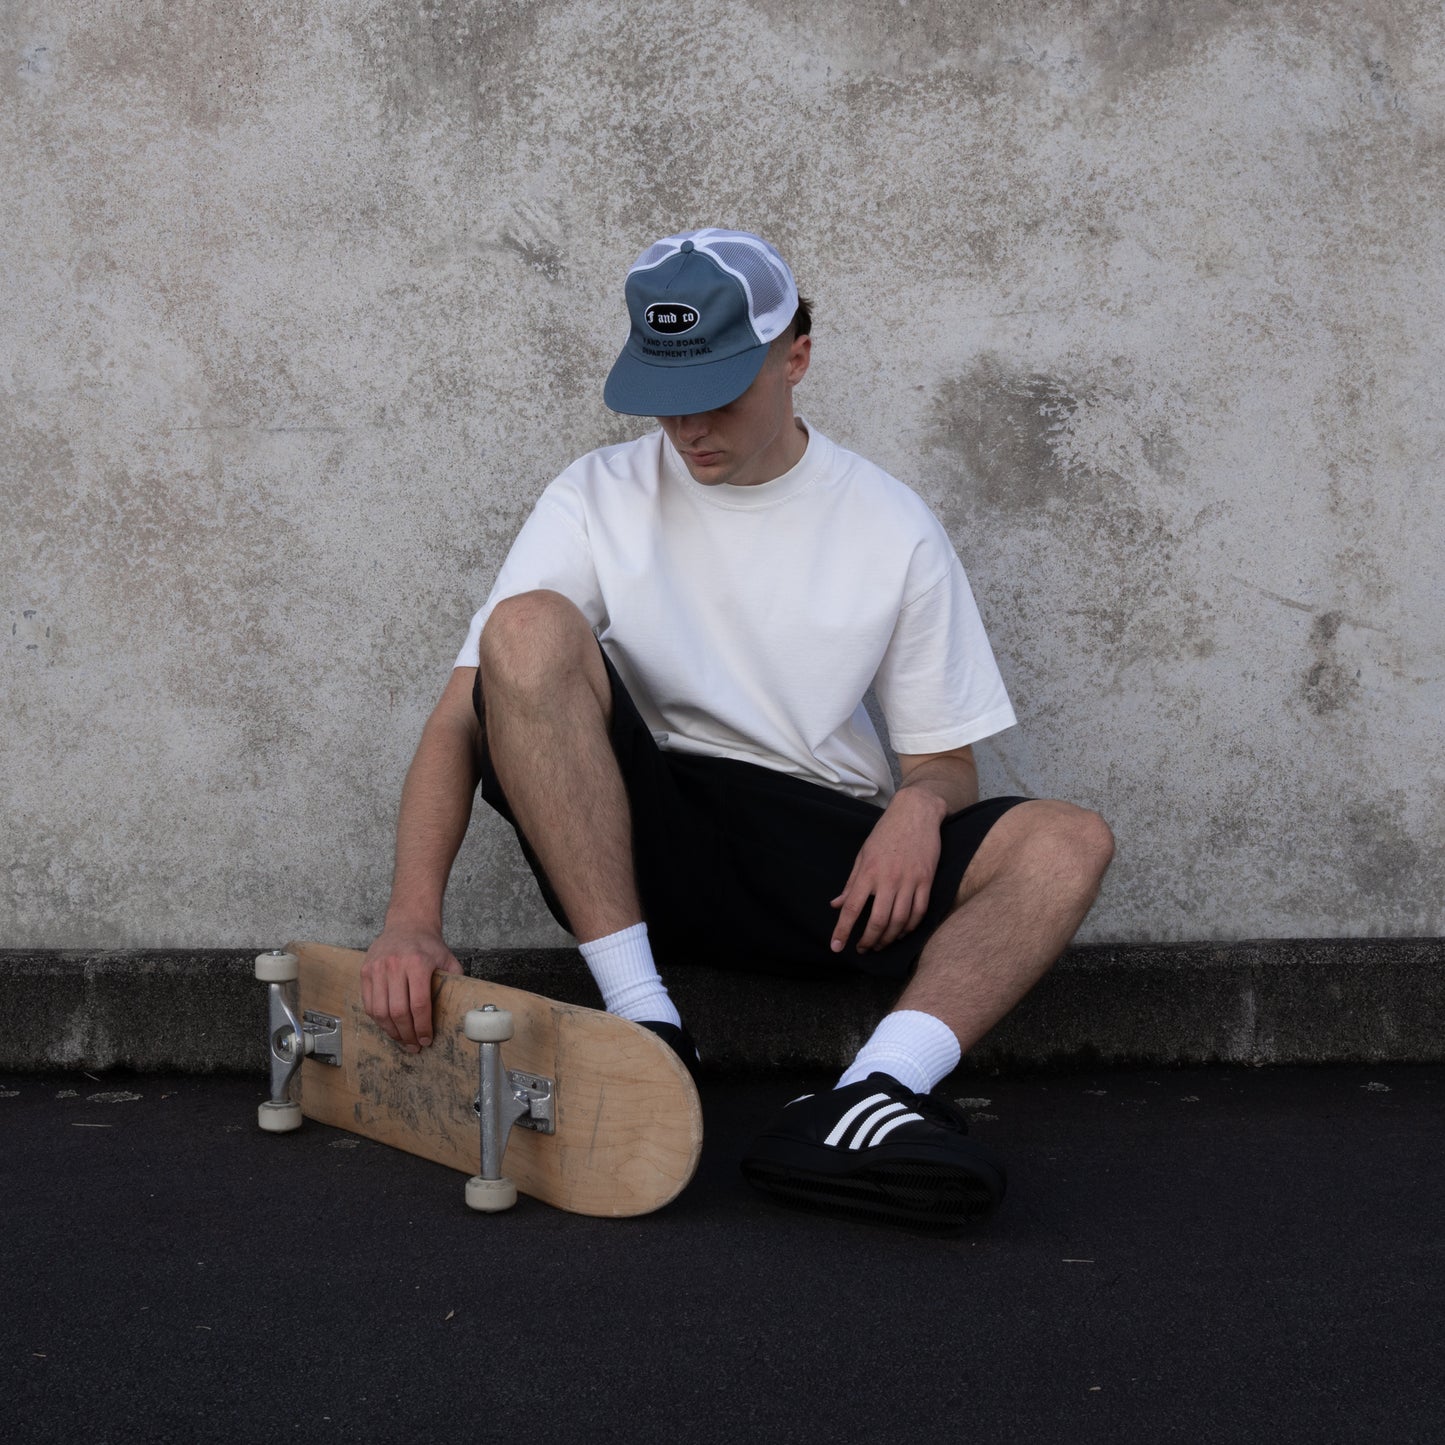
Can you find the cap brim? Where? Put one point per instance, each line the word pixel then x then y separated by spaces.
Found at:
pixel 636 388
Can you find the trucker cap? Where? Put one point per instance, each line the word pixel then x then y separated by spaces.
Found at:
pixel 704 306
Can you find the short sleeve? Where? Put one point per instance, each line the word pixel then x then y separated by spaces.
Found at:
pixel 550 553
pixel 939 685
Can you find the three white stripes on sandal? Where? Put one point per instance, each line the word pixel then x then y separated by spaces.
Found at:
pixel 885 1112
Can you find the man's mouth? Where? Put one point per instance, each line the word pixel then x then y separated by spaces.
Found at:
pixel 702 459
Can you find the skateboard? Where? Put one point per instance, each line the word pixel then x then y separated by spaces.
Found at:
pixel 607 1119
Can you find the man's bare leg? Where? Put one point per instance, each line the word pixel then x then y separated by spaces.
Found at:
pixel 548 711
pixel 1022 899
pixel 548 706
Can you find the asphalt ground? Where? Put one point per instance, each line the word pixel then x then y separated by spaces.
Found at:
pixel 1201 1254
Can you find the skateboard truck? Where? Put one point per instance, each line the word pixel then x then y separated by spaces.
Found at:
pixel 504 1098
pixel 289 1039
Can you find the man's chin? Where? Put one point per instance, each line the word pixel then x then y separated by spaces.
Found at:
pixel 709 474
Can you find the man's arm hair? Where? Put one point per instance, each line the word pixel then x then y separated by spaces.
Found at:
pixel 436 805
pixel 951 777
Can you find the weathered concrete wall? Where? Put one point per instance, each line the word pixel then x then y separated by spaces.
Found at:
pixel 304 302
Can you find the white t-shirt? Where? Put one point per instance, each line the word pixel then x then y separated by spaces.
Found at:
pixel 748 622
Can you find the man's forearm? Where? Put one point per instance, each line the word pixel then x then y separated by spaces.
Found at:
pixel 436 806
pixel 951 781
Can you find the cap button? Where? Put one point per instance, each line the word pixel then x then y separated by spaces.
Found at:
pixel 685 247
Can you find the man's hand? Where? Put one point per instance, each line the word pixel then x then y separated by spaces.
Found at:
pixel 894 868
pixel 396 982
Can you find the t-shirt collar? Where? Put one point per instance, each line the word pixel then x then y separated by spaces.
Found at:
pixel 801 475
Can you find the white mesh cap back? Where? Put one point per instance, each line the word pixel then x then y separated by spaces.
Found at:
pixel 771 291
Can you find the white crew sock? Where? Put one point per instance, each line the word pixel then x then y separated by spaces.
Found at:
pixel 916 1048
pixel 623 968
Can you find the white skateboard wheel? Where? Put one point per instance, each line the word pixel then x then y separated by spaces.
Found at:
pixel 487 1026
pixel 279 1118
pixel 277 966
pixel 490 1196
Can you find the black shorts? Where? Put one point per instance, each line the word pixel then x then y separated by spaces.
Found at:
pixel 737 865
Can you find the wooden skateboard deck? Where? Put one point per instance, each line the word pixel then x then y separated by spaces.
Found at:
pixel 628 1123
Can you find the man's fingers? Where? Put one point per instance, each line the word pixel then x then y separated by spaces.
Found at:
pixel 874 928
pixel 885 925
pixel 852 907
pixel 374 999
pixel 907 915
pixel 893 917
pixel 920 907
pixel 398 1007
pixel 421 1004
pixel 884 934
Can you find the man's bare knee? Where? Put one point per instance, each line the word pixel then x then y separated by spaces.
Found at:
pixel 1054 840
pixel 1096 841
pixel 534 642
pixel 1072 844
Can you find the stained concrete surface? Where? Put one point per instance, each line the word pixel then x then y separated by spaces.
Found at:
pixel 1301 1001
pixel 302 304
pixel 1201 1255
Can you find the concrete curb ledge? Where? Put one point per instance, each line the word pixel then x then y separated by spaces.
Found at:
pixel 1268 1002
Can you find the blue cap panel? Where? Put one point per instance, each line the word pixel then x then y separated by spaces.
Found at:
pixel 692 346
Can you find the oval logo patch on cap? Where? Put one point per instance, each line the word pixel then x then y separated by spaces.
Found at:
pixel 671 318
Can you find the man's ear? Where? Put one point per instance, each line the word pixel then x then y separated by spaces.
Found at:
pixel 799 355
